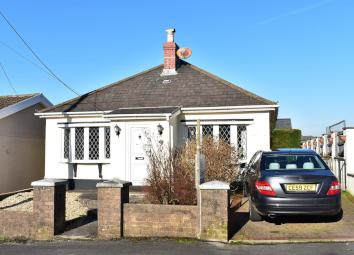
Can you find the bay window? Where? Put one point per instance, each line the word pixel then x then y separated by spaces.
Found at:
pixel 86 144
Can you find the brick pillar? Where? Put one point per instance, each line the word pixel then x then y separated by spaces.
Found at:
pixel 49 207
pixel 214 211
pixel 110 198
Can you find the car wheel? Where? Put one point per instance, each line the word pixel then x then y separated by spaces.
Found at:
pixel 254 215
pixel 338 216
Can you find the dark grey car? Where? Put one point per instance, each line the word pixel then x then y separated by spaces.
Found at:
pixel 290 181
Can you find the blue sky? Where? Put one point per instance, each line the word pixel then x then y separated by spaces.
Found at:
pixel 297 52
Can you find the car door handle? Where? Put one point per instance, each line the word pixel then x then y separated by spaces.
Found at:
pixel 139 158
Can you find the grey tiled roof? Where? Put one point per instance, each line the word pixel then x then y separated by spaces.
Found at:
pixel 146 110
pixel 6 101
pixel 191 87
pixel 283 123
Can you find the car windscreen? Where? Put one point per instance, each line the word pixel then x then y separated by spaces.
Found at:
pixel 291 162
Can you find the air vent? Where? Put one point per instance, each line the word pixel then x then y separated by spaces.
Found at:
pixel 166 81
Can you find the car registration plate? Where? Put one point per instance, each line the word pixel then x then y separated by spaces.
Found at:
pixel 301 187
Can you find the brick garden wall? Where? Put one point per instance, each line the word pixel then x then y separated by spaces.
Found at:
pixel 150 220
pixel 15 224
pixel 47 218
pixel 117 218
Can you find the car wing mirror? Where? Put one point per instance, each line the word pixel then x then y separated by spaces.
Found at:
pixel 252 170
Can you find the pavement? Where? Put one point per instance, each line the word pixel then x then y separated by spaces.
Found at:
pixel 173 247
pixel 296 228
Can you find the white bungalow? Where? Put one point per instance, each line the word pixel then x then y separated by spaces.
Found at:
pixel 101 134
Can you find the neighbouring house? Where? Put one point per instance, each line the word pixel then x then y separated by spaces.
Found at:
pixel 104 134
pixel 21 141
pixel 283 123
pixel 305 138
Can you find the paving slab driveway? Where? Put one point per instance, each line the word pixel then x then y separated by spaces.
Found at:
pixel 297 227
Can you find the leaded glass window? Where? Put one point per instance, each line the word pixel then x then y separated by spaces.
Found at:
pixel 192 132
pixel 224 133
pixel 242 141
pixel 94 149
pixel 107 141
pixel 79 143
pixel 66 148
pixel 207 130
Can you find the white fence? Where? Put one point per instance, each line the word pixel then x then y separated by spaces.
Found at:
pixel 337 149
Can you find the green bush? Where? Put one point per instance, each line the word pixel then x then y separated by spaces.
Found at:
pixel 286 138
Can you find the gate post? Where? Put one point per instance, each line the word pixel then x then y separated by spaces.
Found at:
pixel 49 207
pixel 214 211
pixel 110 198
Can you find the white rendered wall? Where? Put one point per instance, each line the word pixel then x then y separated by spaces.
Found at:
pixel 349 152
pixel 119 164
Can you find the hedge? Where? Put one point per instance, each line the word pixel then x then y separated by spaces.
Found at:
pixel 286 138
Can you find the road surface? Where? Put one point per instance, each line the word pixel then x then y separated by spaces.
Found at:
pixel 163 246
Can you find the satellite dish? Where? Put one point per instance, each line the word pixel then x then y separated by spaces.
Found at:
pixel 184 53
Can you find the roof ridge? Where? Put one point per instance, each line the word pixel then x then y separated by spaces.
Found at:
pixel 167 106
pixel 230 84
pixel 102 88
pixel 21 95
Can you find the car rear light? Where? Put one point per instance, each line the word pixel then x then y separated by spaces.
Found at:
pixel 334 189
pixel 264 188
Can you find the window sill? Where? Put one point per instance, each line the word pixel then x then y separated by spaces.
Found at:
pixel 87 162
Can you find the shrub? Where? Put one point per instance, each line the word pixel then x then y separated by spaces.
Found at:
pixel 286 138
pixel 221 159
pixel 171 176
pixel 159 175
pixel 169 180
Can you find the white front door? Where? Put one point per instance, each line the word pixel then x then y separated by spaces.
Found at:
pixel 138 158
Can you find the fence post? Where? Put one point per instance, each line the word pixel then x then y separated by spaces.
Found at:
pixel 318 145
pixel 313 144
pixel 325 147
pixel 214 211
pixel 334 145
pixel 110 198
pixel 49 207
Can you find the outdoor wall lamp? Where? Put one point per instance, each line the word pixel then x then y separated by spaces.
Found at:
pixel 117 129
pixel 160 129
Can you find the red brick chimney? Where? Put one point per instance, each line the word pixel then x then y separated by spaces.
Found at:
pixel 169 54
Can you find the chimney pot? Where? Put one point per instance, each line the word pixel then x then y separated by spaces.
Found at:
pixel 170 34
